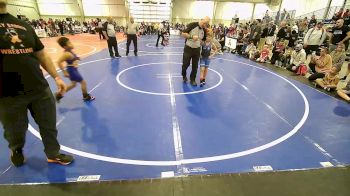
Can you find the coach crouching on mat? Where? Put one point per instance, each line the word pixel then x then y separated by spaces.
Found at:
pixel 194 34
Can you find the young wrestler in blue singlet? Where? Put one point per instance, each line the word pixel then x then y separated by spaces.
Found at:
pixel 71 71
pixel 208 51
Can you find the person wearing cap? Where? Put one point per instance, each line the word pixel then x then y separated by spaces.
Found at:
pixel 298 57
pixel 340 35
pixel 314 38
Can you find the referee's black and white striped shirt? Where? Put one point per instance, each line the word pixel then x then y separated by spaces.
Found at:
pixel 194 29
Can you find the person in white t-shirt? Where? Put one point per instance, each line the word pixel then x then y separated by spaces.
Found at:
pixel 110 34
pixel 132 32
pixel 314 38
pixel 161 32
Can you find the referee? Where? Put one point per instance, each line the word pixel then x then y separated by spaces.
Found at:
pixel 194 34
pixel 131 33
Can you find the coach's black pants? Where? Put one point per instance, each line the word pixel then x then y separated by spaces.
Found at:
pixel 112 44
pixel 160 35
pixel 133 38
pixel 190 54
pixel 14 118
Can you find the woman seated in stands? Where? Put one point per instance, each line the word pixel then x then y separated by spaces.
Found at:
pixel 345 92
pixel 330 81
pixel 320 65
pixel 338 56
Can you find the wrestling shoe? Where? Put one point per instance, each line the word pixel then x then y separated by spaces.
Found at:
pixel 61 159
pixel 88 97
pixel 202 83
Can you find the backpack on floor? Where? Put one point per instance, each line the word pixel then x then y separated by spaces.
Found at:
pixel 302 70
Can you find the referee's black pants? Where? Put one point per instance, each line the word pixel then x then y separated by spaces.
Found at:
pixel 190 54
pixel 133 38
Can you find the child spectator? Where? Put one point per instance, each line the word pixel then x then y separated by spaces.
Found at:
pixel 330 81
pixel 285 59
pixel 264 54
pixel 208 51
pixel 277 51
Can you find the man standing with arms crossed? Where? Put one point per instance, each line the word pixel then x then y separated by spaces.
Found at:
pixel 132 31
pixel 23 87
pixel 194 34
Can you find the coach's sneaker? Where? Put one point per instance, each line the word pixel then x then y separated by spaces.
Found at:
pixel 17 158
pixel 184 79
pixel 88 97
pixel 193 83
pixel 61 159
pixel 58 97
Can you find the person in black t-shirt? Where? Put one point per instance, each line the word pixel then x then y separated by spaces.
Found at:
pixel 23 87
pixel 312 22
pixel 293 39
pixel 282 32
pixel 340 34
